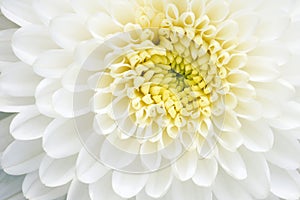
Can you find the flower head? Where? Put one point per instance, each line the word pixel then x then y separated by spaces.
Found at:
pixel 171 99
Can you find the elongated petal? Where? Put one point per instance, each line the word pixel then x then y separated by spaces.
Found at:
pixel 22 157
pixel 57 172
pixel 128 185
pixel 33 188
pixel 159 183
pixel 78 191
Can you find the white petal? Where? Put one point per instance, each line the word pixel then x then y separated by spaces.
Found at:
pixel 89 168
pixel 104 124
pixel 63 137
pixel 257 135
pixel 22 157
pixel 49 9
pixel 10 186
pixel 247 22
pixel 57 172
pixel 227 30
pixel 102 189
pixel 69 37
pixel 159 182
pixel 289 117
pixel 226 188
pixel 285 152
pixel 188 190
pixel 118 153
pixel 87 7
pixel 280 90
pixel 258 179
pixel 172 150
pixel 123 11
pixel 43 97
pixel 6 52
pixel 261 69
pixel 75 78
pixel 18 80
pixel 185 167
pixel 29 124
pixel 291 71
pixel 5 136
pixel 69 104
pixel 30 41
pixel 227 122
pixel 34 189
pixel 53 63
pixel 206 172
pixel 230 140
pixel 14 104
pixel 20 12
pixel 280 178
pixel 272 50
pixel 149 156
pixel 273 23
pixel 78 191
pixel 232 163
pixel 217 10
pixel 128 185
pixel 102 25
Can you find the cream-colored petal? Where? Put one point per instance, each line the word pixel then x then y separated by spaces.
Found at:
pixel 102 24
pixel 69 37
pixel 30 41
pixel 46 10
pixel 20 12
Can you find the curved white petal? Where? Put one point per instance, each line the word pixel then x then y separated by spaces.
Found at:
pixel 21 127
pixel 43 97
pixel 68 38
pixel 226 188
pixel 57 172
pixel 188 190
pixel 47 10
pixel 6 52
pixel 34 189
pixel 78 191
pixel 30 41
pixel 117 153
pixel 289 117
pixel 63 137
pixel 258 180
pixel 280 177
pixel 185 167
pixel 257 135
pixel 53 63
pixel 102 189
pixel 285 152
pixel 5 136
pixel 10 186
pixel 20 12
pixel 69 104
pixel 232 163
pixel 159 182
pixel 89 167
pixel 206 172
pixel 128 185
pixel 18 79
pixel 22 157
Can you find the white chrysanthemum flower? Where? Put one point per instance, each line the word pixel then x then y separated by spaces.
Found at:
pixel 157 99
